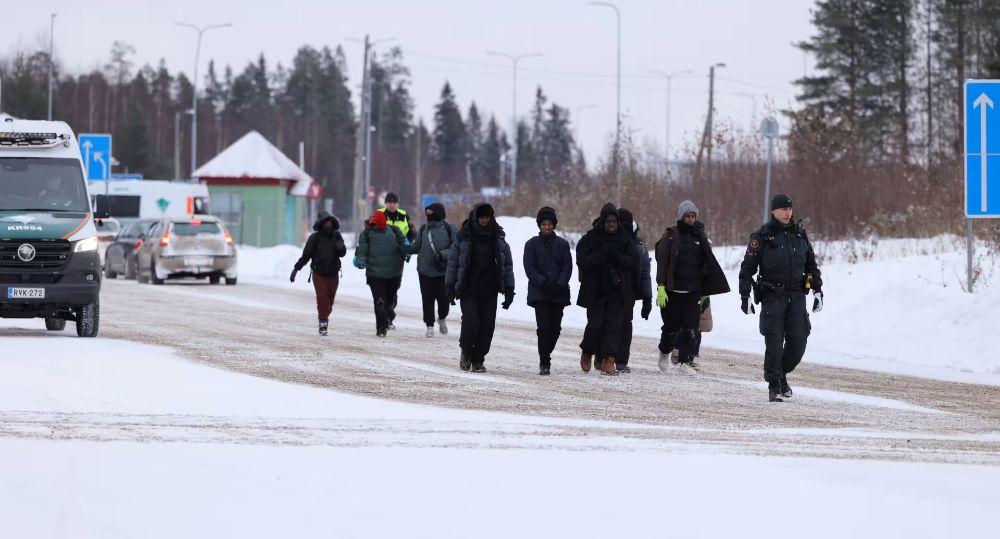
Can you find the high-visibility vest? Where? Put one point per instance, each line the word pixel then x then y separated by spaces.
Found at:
pixel 402 224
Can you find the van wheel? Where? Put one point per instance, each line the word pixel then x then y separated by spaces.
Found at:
pixel 88 319
pixel 214 279
pixel 152 273
pixel 55 324
pixel 230 281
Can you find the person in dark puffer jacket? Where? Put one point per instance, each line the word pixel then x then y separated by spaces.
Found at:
pixel 323 251
pixel 479 268
pixel 381 253
pixel 548 265
pixel 629 226
pixel 433 245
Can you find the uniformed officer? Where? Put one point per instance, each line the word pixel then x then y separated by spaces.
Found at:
pixel 781 251
pixel 396 217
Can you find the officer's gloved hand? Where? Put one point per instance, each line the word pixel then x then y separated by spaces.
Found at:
pixel 817 300
pixel 508 298
pixel 292 278
pixel 661 296
pixel 647 307
pixel 746 306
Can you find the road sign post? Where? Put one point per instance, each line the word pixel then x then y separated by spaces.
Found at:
pixel 768 128
pixel 982 158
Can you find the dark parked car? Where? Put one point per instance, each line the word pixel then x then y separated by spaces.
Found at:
pixel 119 259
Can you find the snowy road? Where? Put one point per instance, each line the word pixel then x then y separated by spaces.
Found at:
pixel 268 333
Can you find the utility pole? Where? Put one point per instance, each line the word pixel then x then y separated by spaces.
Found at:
pixel 419 172
pixel 706 138
pixel 514 59
pixel 52 42
pixel 177 145
pixel 618 109
pixel 360 147
pixel 194 88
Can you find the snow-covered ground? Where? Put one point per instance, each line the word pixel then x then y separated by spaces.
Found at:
pixel 105 438
pixel 892 306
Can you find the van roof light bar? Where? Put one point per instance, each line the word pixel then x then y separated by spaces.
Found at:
pixel 32 140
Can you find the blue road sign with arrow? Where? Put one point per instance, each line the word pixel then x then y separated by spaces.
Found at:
pixel 96 152
pixel 982 148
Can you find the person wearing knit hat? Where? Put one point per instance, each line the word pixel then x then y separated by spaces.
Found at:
pixel 687 273
pixel 433 245
pixel 548 266
pixel 780 254
pixel 381 252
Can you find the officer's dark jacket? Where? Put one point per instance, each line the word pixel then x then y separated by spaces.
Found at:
pixel 783 255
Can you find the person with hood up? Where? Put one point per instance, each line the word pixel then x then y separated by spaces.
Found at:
pixel 609 281
pixel 629 225
pixel 687 273
pixel 323 251
pixel 479 268
pixel 381 252
pixel 548 265
pixel 433 245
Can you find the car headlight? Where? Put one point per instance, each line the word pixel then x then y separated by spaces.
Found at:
pixel 86 245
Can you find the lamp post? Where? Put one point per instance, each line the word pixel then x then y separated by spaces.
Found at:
pixel 618 107
pixel 670 78
pixel 514 59
pixel 52 41
pixel 194 87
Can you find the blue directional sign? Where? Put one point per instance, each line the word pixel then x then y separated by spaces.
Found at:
pixel 96 152
pixel 982 148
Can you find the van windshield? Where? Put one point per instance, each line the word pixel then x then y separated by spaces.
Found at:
pixel 31 183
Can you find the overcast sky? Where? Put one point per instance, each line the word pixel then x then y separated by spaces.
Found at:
pixel 447 40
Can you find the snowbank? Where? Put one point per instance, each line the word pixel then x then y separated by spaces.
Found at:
pixel 891 305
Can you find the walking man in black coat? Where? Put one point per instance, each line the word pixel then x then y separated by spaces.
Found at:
pixel 479 268
pixel 628 224
pixel 324 248
pixel 781 251
pixel 548 266
pixel 609 279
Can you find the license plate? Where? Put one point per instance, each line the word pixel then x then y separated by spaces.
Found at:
pixel 198 261
pixel 25 293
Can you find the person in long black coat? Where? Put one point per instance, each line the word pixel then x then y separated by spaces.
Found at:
pixel 609 281
pixel 548 266
pixel 628 224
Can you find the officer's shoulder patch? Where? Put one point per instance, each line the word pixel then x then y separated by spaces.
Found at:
pixel 754 244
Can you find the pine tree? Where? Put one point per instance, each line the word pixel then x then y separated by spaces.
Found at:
pixel 473 147
pixel 449 140
pixel 490 154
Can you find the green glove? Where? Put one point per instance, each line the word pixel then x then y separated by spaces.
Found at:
pixel 661 296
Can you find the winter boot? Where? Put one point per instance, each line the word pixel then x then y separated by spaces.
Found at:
pixel 430 332
pixel 786 390
pixel 442 326
pixel 465 363
pixel 608 367
pixel 380 333
pixel 622 368
pixel 544 367
pixel 323 326
pixel 585 360
pixel 477 364
pixel 774 392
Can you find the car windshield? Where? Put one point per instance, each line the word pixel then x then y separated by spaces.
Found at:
pixel 32 183
pixel 196 228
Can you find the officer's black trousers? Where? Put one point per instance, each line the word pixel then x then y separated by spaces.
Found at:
pixel 784 323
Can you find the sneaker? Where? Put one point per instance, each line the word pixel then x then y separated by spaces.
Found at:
pixel 442 326
pixel 543 370
pixel 786 390
pixel 323 327
pixel 684 369
pixel 465 363
pixel 478 366
pixel 430 332
pixel 675 356
pixel 664 362
pixel 380 333
pixel 623 369
pixel 773 395
pixel 694 364
pixel 391 326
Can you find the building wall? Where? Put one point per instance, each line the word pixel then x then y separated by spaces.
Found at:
pixel 263 222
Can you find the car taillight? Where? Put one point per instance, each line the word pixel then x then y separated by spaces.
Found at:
pixel 137 245
pixel 229 238
pixel 165 240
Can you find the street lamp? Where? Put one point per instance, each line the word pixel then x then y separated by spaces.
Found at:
pixel 514 59
pixel 52 41
pixel 670 77
pixel 618 109
pixel 177 143
pixel 194 87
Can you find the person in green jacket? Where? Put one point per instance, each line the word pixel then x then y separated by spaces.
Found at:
pixel 433 245
pixel 381 252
